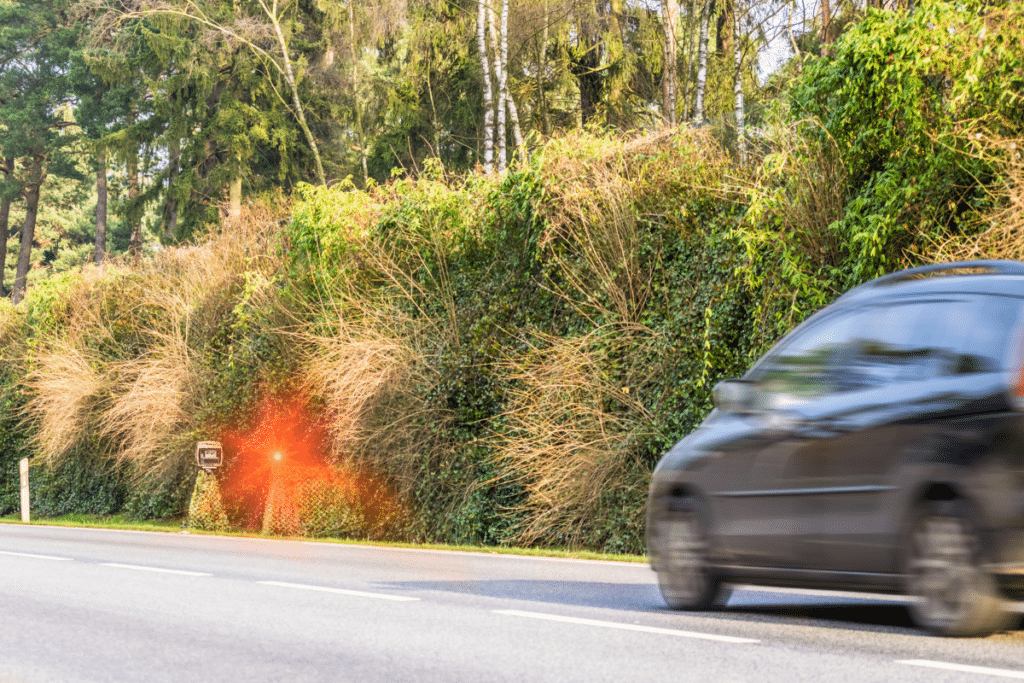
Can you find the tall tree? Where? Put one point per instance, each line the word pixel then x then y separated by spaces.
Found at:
pixel 212 113
pixel 738 82
pixel 510 103
pixel 8 192
pixel 263 28
pixel 37 40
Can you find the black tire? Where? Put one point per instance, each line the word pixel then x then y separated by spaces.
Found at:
pixel 685 576
pixel 953 593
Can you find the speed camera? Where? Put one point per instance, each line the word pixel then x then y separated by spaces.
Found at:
pixel 209 454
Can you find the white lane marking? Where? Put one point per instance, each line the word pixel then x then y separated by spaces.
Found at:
pixel 183 572
pixel 626 627
pixel 37 557
pixel 339 591
pixel 966 668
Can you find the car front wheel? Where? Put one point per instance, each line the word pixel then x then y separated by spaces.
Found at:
pixel 684 574
pixel 953 594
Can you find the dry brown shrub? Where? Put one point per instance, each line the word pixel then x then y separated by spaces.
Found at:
pixel 596 192
pixel 572 437
pixel 151 404
pixel 999 232
pixel 196 284
pixel 194 288
pixel 142 406
pixel 12 327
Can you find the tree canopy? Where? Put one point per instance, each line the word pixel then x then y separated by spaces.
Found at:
pixel 169 111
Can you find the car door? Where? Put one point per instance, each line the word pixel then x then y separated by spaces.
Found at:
pixel 920 363
pixel 752 477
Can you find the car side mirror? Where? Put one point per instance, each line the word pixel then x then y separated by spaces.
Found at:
pixel 734 396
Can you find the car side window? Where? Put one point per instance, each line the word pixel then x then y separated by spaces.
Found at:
pixel 878 345
pixel 914 341
pixel 975 332
pixel 894 343
pixel 804 366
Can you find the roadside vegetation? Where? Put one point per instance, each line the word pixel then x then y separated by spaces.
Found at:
pixel 499 359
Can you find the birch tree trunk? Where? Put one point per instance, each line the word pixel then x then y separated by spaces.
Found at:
pixel 738 83
pixel 692 33
pixel 789 30
pixel 669 82
pixel 702 62
pixel 517 132
pixel 481 40
pixel 289 76
pixel 355 90
pixel 500 47
pixel 513 113
pixel 542 67
pixel 826 20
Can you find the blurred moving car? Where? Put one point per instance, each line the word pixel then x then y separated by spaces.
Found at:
pixel 879 446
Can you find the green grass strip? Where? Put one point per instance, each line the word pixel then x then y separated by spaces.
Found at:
pixel 176 526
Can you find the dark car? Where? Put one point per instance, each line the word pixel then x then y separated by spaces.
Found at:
pixel 878 447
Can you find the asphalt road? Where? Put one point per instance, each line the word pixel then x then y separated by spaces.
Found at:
pixel 99 605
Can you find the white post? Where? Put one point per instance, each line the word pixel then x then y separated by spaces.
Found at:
pixel 23 468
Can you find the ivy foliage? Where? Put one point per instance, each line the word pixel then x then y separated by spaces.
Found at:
pixel 876 153
pixel 506 357
pixel 572 315
pixel 901 100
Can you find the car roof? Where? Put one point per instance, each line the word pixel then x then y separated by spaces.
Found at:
pixel 982 277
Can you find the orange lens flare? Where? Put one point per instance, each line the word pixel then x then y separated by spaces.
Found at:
pixel 281 466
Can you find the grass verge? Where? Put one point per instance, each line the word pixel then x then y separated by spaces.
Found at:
pixel 175 526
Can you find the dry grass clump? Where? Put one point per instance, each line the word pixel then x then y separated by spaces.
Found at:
pixel 372 372
pixel 151 404
pixel 125 353
pixel 572 437
pixel 1000 231
pixel 197 285
pixel 12 325
pixel 599 193
pixel 67 387
pixel 369 353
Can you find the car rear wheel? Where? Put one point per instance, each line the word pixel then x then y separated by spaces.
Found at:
pixel 685 577
pixel 954 595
